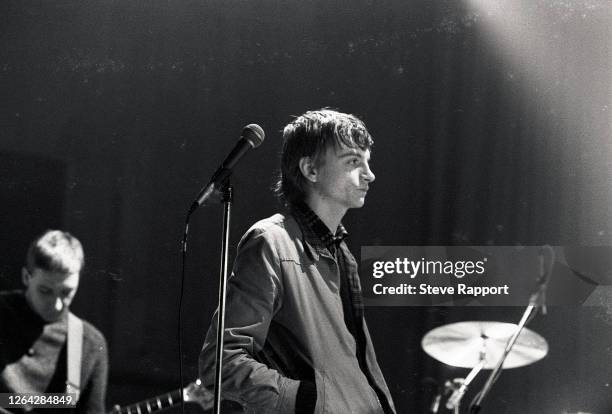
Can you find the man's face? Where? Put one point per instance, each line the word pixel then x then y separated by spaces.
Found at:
pixel 49 294
pixel 343 177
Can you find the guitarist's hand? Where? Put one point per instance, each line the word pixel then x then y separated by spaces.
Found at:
pixel 196 392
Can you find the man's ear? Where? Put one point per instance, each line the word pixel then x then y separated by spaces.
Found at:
pixel 25 276
pixel 308 169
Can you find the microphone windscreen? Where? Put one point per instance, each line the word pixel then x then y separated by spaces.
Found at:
pixel 254 134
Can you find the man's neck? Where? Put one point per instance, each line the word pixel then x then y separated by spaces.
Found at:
pixel 330 215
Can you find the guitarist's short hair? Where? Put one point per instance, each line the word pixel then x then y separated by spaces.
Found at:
pixel 55 251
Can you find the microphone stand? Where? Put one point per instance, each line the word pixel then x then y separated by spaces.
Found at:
pixel 227 204
pixel 536 301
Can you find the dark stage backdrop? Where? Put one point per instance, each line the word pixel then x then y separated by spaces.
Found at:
pixel 491 122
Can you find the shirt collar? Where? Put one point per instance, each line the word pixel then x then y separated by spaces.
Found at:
pixel 315 231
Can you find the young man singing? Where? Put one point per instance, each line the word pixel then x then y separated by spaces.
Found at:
pixel 296 340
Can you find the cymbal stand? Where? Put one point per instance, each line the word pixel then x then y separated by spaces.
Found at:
pixel 536 301
pixel 475 408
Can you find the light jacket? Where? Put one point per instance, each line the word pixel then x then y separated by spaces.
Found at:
pixel 284 323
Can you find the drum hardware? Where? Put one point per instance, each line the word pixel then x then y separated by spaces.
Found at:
pixel 461 344
pixel 492 345
pixel 480 345
pixel 537 302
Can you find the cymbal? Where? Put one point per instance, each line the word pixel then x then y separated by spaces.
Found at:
pixel 460 344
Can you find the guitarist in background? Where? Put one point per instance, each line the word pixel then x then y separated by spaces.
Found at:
pixel 35 325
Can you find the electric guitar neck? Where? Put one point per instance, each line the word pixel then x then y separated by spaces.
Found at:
pixel 193 393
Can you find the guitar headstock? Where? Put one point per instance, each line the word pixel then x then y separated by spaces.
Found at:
pixel 197 393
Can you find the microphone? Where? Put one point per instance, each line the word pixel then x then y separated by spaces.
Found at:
pixel 252 136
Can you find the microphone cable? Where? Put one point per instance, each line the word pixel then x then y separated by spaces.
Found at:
pixel 180 314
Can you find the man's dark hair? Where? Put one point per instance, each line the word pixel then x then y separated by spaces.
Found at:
pixel 309 135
